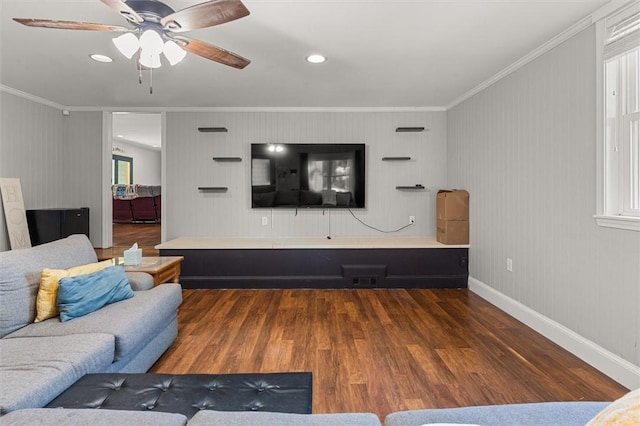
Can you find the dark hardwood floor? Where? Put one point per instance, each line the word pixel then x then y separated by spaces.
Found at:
pixel 380 350
pixel 372 350
pixel 147 235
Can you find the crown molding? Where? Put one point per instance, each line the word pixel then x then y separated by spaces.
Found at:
pixel 30 97
pixel 47 102
pixel 610 8
pixel 544 48
pixel 278 109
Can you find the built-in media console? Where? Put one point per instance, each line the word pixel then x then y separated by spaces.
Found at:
pixel 404 262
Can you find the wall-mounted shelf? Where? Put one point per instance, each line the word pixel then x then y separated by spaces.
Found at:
pixel 410 129
pixel 396 158
pixel 413 187
pixel 213 188
pixel 212 129
pixel 227 159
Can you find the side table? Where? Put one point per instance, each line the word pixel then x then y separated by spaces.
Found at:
pixel 162 268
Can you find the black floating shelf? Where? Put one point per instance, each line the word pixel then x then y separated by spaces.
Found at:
pixel 410 129
pixel 227 159
pixel 418 186
pixel 213 129
pixel 396 158
pixel 213 188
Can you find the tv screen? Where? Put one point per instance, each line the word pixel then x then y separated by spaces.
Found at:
pixel 307 175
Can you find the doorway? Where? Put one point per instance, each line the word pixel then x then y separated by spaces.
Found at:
pixel 136 181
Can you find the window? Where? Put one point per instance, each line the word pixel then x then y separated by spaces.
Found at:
pixel 619 175
pixel 335 174
pixel 122 170
pixel 260 172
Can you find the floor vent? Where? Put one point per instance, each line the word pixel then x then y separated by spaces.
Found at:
pixel 364 281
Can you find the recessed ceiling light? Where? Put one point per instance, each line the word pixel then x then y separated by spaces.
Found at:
pixel 316 59
pixel 100 58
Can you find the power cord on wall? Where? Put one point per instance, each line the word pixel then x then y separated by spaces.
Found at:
pixel 361 221
pixel 377 229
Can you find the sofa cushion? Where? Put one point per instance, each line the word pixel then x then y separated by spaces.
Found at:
pixel 264 418
pixel 83 294
pixel 310 198
pixel 83 417
pixel 287 198
pixel 343 198
pixel 20 272
pixel 36 370
pixel 47 299
pixel 545 413
pixel 329 197
pixel 267 199
pixel 133 322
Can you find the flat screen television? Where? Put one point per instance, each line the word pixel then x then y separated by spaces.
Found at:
pixel 307 175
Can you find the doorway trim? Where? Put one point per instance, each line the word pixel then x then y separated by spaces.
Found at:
pixel 107 209
pixel 107 151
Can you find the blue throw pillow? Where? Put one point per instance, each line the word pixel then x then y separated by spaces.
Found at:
pixel 84 294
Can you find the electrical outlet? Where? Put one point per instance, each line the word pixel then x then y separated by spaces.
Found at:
pixel 509 264
pixel 265 220
pixel 412 219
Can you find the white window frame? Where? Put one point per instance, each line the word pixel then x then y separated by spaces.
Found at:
pixel 612 173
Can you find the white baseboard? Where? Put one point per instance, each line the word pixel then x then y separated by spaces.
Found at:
pixel 620 370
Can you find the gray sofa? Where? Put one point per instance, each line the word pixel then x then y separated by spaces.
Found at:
pixel 539 414
pixel 40 360
pixel 542 414
pixel 83 417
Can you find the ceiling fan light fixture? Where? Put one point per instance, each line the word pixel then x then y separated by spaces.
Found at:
pixel 151 42
pixel 127 44
pixel 150 61
pixel 173 52
pixel 154 23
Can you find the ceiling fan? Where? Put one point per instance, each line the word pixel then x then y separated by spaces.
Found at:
pixel 157 29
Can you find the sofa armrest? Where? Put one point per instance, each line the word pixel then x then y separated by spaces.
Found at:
pixel 140 281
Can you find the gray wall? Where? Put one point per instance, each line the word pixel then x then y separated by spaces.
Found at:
pixel 525 148
pixel 57 159
pixel 189 165
pixel 146 162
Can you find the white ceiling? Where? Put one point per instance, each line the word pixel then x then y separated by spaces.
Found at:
pixel 380 53
pixel 138 128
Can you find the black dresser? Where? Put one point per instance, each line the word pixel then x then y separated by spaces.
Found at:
pixel 47 225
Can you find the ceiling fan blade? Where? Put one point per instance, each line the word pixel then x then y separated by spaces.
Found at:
pixel 123 9
pixel 68 25
pixel 204 15
pixel 214 53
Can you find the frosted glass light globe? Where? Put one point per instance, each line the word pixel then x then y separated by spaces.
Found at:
pixel 150 61
pixel 173 52
pixel 151 42
pixel 127 44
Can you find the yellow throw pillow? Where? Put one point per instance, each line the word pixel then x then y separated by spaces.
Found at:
pixel 621 412
pixel 46 302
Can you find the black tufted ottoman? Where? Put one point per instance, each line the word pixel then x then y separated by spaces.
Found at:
pixel 189 393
